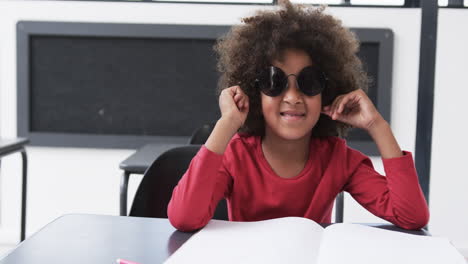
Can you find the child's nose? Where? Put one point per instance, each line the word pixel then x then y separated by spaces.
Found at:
pixel 292 95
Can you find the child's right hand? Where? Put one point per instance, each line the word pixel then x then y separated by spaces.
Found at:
pixel 234 105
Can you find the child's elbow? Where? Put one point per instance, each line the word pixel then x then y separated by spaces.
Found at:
pixel 183 221
pixel 423 220
pixel 182 225
pixel 418 221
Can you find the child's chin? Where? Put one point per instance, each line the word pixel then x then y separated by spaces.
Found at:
pixel 295 135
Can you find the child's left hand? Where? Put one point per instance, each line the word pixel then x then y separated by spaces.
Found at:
pixel 355 109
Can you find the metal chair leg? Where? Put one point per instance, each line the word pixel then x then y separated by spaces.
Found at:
pixel 24 194
pixel 339 204
pixel 123 193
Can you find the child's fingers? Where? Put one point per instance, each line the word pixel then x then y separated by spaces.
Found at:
pixel 230 95
pixel 332 107
pixel 244 103
pixel 239 91
pixel 335 106
pixel 240 104
pixel 237 98
pixel 233 90
pixel 352 105
pixel 344 103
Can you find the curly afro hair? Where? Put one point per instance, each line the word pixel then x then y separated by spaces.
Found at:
pixel 253 45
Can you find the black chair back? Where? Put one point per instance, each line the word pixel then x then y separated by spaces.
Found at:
pixel 201 134
pixel 155 190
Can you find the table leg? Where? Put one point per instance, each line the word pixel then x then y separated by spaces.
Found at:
pixel 123 193
pixel 24 190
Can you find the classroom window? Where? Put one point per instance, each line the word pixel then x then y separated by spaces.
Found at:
pixel 381 2
pixel 366 2
pixel 220 1
pixel 353 2
pixel 329 2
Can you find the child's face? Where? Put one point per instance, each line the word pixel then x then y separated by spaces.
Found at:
pixel 292 114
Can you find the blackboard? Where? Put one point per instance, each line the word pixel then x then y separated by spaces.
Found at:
pixel 122 86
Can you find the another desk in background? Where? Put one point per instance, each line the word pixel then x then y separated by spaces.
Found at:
pixel 10 146
pixel 137 163
pixel 102 239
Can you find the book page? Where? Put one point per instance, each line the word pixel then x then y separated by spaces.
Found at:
pixel 281 240
pixel 350 243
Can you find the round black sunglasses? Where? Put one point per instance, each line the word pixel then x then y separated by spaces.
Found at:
pixel 273 81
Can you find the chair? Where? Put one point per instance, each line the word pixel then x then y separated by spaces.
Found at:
pixel 155 190
pixel 201 134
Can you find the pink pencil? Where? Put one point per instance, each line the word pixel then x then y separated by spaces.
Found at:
pixel 123 261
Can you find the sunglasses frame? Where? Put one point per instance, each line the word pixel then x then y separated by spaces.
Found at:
pixel 273 93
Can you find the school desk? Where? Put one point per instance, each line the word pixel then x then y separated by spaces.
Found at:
pixel 81 238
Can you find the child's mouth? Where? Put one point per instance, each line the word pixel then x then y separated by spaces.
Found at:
pixel 292 115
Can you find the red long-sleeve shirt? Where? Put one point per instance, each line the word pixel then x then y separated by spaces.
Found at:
pixel 254 191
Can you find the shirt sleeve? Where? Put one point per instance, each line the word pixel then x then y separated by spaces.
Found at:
pixel 197 194
pixel 397 198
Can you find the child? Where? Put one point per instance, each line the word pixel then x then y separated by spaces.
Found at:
pixel 294 84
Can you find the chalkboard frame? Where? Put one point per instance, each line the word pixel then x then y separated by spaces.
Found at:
pixel 25 29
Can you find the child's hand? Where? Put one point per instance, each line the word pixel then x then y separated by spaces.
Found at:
pixel 234 105
pixel 355 109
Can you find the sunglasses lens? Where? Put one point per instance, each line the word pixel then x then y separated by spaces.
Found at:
pixel 273 81
pixel 311 81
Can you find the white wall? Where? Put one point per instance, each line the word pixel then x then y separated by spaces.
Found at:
pixel 64 180
pixel 449 174
pixel 406 25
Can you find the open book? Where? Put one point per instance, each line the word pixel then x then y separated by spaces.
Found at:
pixel 300 240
